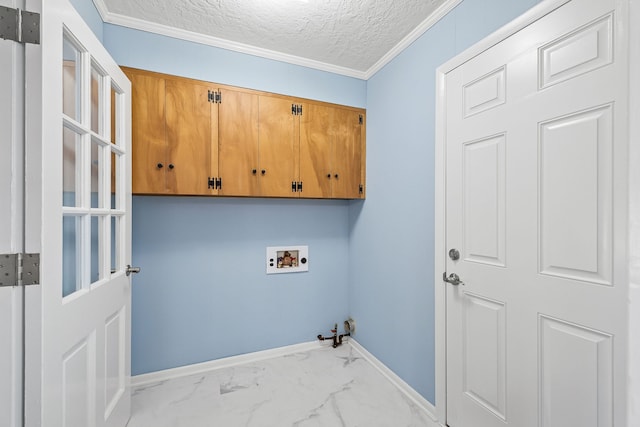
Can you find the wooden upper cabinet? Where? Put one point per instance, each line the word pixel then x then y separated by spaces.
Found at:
pixel 174 132
pixel 197 138
pixel 238 143
pixel 149 148
pixel 331 152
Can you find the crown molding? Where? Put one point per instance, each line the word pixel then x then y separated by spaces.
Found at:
pixel 165 30
pixel 414 35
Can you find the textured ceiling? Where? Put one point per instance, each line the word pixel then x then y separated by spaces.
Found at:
pixel 351 36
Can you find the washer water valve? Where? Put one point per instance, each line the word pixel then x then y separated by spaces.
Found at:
pixel 349 327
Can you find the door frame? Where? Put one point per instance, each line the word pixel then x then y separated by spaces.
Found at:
pixel 632 7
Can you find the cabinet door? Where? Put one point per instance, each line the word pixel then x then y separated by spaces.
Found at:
pixel 315 150
pixel 188 137
pixel 238 143
pixel 278 147
pixel 148 133
pixel 346 157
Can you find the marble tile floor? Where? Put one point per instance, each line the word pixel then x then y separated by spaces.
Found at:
pixel 323 387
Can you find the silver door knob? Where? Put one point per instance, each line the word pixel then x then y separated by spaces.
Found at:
pixel 453 278
pixel 134 270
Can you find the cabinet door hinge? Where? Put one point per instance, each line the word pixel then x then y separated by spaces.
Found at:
pixel 361 119
pixel 19 269
pixel 19 25
pixel 296 186
pixel 361 189
pixel 214 96
pixel 296 109
pixel 214 183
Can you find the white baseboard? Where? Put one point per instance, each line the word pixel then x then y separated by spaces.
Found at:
pixel 227 362
pixel 405 388
pixel 242 359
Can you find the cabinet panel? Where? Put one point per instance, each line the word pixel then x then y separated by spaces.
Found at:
pixel 278 152
pixel 189 131
pixel 148 133
pixel 315 150
pixel 238 143
pixel 345 167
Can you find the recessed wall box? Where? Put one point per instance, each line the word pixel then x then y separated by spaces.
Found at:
pixel 287 259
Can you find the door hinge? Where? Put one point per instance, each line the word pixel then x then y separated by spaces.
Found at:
pixel 214 96
pixel 296 109
pixel 19 269
pixel 361 189
pixel 19 25
pixel 214 183
pixel 296 186
pixel 361 119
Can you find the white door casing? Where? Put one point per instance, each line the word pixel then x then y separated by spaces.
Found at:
pixel 533 136
pixel 11 217
pixel 77 361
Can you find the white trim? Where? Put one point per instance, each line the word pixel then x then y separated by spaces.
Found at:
pixel 633 385
pixel 165 30
pixel 398 382
pixel 414 35
pixel 541 9
pixel 225 362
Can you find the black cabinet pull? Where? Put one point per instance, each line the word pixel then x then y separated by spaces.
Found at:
pixel 171 166
pixel 254 171
pixel 329 175
pixel 336 175
pixel 159 165
pixel 263 171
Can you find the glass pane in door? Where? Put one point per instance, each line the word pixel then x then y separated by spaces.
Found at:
pixel 71 99
pixel 71 145
pixel 96 101
pixel 96 241
pixel 70 273
pixel 96 168
pixel 115 242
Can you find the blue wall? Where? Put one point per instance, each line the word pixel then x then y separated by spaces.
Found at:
pixel 391 288
pixel 203 293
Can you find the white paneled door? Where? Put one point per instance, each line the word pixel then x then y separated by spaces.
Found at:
pixel 536 165
pixel 78 204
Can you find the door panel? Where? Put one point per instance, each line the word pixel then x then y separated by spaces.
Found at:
pixel 535 144
pixel 582 357
pixel 238 143
pixel 582 144
pixel 188 137
pixel 346 156
pixel 315 150
pixel 149 133
pixel 279 150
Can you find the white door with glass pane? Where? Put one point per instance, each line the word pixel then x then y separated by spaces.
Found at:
pixel 78 206
pixel 536 205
